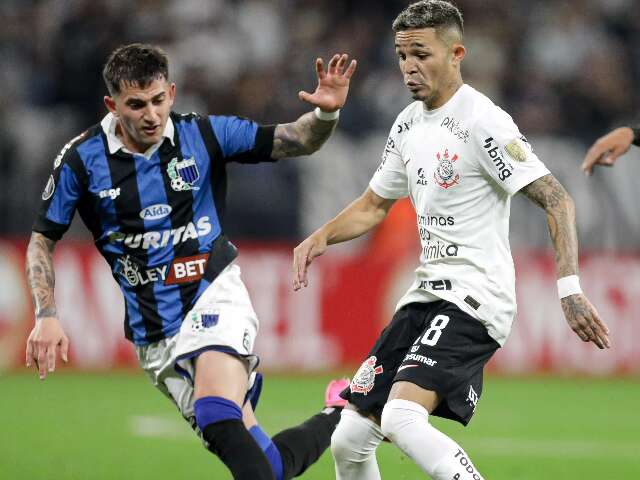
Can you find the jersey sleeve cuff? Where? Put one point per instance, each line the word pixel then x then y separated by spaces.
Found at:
pixel 51 230
pixel 387 193
pixel 525 180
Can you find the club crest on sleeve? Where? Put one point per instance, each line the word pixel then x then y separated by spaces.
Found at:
pixel 49 188
pixel 445 173
pixel 365 377
pixel 183 174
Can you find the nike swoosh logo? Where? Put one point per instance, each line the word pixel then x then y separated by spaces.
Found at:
pixel 406 366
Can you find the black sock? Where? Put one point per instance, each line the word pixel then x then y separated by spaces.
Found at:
pixel 302 445
pixel 237 449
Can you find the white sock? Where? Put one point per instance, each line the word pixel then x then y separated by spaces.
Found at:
pixel 353 445
pixel 407 425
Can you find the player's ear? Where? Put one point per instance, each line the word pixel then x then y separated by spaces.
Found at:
pixel 110 103
pixel 172 92
pixel 458 53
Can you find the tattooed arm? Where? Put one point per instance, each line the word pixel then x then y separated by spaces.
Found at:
pixel 582 317
pixel 47 335
pixel 302 137
pixel 308 133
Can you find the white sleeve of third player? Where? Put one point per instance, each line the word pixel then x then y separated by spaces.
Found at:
pixel 390 180
pixel 504 153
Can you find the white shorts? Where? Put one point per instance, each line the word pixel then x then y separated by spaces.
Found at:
pixel 222 319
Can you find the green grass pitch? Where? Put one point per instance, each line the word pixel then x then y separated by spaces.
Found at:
pixel 116 426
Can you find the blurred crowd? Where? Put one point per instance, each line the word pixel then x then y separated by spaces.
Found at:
pixel 565 70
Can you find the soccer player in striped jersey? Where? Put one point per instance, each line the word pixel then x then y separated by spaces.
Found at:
pixel 606 150
pixel 150 185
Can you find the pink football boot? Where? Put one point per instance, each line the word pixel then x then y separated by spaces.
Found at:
pixel 332 396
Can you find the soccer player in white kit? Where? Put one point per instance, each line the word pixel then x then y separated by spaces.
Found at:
pixel 459 158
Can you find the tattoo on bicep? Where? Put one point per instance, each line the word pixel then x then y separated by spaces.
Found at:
pixel 40 274
pixel 302 137
pixel 550 195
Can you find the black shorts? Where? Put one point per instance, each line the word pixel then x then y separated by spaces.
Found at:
pixel 434 345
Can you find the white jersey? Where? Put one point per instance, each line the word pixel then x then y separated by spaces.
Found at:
pixel 460 164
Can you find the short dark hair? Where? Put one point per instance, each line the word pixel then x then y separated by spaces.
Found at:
pixel 136 64
pixel 438 14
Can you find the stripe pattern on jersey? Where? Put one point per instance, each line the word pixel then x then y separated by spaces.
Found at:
pixel 113 194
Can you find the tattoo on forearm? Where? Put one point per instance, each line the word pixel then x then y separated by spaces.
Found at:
pixel 40 275
pixel 302 137
pixel 554 199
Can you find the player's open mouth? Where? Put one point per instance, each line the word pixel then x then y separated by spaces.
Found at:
pixel 150 130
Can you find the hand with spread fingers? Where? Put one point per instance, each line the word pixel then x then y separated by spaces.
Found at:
pixel 46 340
pixel 606 150
pixel 583 318
pixel 303 255
pixel 333 84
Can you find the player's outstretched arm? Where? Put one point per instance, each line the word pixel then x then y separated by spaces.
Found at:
pixel 47 336
pixel 309 132
pixel 606 150
pixel 362 215
pixel 582 317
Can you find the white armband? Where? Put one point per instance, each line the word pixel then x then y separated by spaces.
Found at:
pixel 326 116
pixel 569 286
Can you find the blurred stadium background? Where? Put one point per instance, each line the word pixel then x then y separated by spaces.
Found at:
pixel 567 71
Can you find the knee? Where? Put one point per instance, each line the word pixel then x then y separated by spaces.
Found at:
pixel 355 438
pixel 398 414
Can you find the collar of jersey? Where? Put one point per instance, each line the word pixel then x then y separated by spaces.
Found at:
pixel 452 101
pixel 108 125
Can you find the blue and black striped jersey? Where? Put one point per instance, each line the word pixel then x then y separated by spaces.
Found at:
pixel 153 219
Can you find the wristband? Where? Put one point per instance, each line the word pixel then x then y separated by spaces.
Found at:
pixel 636 135
pixel 569 286
pixel 326 116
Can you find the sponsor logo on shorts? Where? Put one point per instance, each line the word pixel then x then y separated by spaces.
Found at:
pixel 412 357
pixel 468 466
pixel 472 398
pixel 246 340
pixel 445 174
pixel 435 285
pixel 505 169
pixel 365 377
pixel 154 212
pixel 159 239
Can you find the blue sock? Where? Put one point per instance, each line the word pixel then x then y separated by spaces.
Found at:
pixel 210 410
pixel 269 449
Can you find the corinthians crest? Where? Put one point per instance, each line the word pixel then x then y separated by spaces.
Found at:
pixel 365 377
pixel 183 174
pixel 445 174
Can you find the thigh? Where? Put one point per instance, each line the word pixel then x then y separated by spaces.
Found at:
pixel 220 374
pixel 370 386
pixel 448 358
